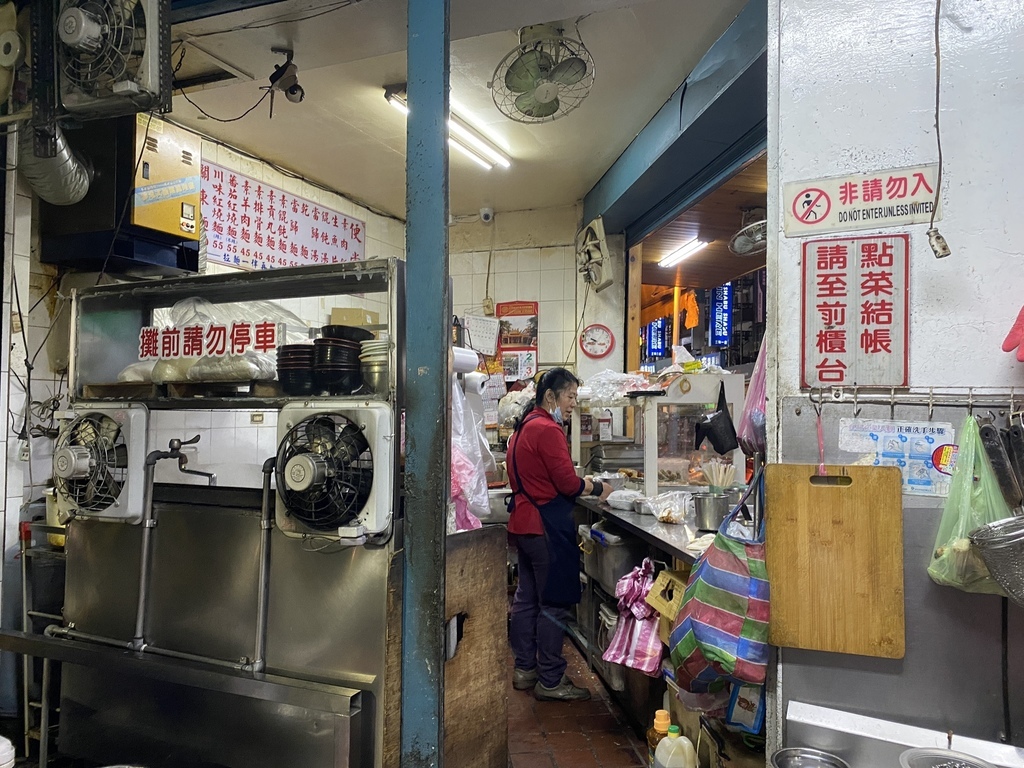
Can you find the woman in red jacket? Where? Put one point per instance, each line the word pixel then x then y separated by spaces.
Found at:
pixel 544 487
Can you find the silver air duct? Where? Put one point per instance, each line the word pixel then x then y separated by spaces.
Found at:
pixel 60 180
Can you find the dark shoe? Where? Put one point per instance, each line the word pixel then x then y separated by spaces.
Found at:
pixel 524 679
pixel 564 691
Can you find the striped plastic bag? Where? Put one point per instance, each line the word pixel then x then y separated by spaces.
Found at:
pixel 636 643
pixel 721 633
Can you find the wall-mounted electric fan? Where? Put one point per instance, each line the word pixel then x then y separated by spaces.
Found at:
pixel 545 77
pixel 592 255
pixel 98 463
pixel 334 469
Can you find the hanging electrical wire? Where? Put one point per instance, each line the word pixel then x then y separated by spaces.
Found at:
pixel 127 202
pixel 180 51
pixel 935 239
pixel 579 325
pixel 202 111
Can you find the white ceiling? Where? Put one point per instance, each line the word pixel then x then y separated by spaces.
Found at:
pixel 346 137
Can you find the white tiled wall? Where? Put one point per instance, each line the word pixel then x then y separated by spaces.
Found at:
pixel 545 275
pixel 230 445
pixel 21 268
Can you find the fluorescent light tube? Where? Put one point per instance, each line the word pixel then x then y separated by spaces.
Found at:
pixel 469 153
pixel 395 101
pixel 477 144
pixel 685 252
pixel 460 136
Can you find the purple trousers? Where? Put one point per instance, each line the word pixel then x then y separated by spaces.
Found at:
pixel 537 629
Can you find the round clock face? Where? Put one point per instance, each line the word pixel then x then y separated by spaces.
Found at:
pixel 597 341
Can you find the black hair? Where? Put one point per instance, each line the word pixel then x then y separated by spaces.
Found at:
pixel 556 380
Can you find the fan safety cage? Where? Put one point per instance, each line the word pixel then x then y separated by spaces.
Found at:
pixel 92 462
pixel 324 471
pixel 114 54
pixel 543 79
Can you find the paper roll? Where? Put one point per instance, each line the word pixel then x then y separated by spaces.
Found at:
pixel 464 360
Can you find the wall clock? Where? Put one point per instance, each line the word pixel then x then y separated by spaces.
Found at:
pixel 597 341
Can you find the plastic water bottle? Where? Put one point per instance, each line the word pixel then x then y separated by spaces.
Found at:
pixel 675 751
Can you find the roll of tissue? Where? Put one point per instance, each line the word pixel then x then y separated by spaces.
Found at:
pixel 464 360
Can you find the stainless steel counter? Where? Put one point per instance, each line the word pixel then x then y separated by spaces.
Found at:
pixel 670 539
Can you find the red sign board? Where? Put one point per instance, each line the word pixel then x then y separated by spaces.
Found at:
pixel 208 340
pixel 856 312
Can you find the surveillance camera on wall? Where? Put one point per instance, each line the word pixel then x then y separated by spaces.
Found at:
pixel 285 78
pixel 486 215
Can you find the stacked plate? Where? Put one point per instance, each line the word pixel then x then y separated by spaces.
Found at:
pixel 295 363
pixel 374 351
pixel 336 366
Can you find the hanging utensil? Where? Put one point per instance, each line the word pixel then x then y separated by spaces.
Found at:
pixel 1016 450
pixel 996 451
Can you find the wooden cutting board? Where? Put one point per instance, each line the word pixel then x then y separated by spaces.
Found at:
pixel 834 549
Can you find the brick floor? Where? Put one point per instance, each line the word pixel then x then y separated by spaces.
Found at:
pixel 575 734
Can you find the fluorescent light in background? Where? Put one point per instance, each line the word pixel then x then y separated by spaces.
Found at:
pixel 684 252
pixel 461 136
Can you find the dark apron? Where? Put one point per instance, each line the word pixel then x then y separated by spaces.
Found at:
pixel 562 586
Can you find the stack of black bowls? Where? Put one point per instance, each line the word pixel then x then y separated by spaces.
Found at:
pixel 295 365
pixel 336 366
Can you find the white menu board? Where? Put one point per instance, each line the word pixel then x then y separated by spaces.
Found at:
pixel 253 225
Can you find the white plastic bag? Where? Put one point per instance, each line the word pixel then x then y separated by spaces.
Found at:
pixel 623 500
pixel 512 405
pixel 137 373
pixel 609 388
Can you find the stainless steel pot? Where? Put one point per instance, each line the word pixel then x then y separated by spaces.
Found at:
pixel 802 757
pixel 710 510
pixel 733 494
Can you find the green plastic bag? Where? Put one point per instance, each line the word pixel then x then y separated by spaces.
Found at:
pixel 974 500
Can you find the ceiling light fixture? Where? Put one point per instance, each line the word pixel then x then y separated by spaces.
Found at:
pixel 461 135
pixel 685 252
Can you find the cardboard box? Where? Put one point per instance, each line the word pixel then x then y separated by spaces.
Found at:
pixel 354 317
pixel 666 597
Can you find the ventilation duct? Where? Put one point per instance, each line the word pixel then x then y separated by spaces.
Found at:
pixel 60 180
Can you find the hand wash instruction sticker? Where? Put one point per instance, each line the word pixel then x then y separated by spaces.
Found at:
pixel 909 445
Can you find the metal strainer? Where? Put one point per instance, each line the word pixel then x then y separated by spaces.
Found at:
pixel 940 758
pixel 1001 546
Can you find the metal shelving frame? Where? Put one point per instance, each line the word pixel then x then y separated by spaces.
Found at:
pixel 36 714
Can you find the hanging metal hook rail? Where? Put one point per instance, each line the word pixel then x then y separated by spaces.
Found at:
pixel 1000 399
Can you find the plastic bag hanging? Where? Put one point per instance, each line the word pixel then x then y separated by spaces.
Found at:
pixel 751 431
pixel 717 428
pixel 974 500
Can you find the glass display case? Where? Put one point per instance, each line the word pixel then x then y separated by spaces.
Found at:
pixel 110 323
pixel 670 458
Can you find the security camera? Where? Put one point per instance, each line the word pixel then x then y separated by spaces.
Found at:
pixel 286 78
pixel 486 215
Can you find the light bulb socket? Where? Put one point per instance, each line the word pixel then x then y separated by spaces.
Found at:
pixel 938 243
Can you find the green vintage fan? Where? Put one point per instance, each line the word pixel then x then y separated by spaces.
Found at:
pixel 544 78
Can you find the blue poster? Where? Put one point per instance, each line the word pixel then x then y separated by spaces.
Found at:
pixel 721 316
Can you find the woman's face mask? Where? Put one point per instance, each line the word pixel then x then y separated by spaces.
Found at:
pixel 557 414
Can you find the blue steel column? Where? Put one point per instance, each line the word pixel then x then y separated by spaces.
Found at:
pixel 428 385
